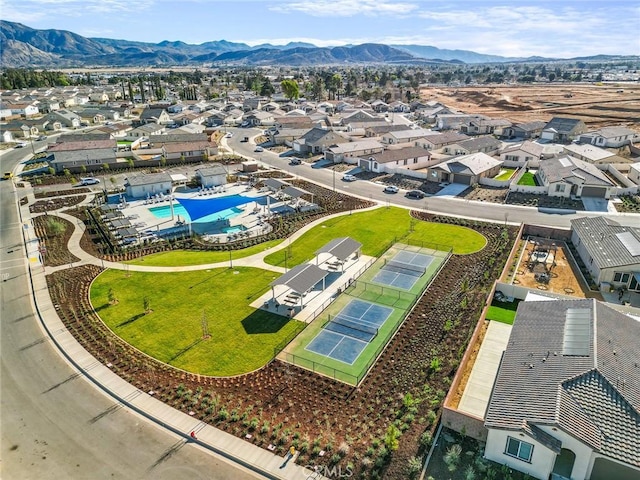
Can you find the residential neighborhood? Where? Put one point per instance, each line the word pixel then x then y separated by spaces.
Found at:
pixel 522 335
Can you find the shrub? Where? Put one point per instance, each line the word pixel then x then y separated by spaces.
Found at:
pixel 425 439
pixel 223 414
pixel 452 457
pixel 391 438
pixel 414 467
pixel 469 473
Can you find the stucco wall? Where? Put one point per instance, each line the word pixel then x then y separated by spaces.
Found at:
pixel 542 459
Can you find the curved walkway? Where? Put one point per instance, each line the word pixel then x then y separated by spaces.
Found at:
pixel 233 448
pixel 255 260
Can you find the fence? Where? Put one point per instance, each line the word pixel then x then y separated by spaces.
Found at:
pixel 341 288
pixel 355 289
pixel 322 369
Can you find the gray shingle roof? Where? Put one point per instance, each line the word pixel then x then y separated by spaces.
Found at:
pixel 563 124
pixel 594 397
pixel 148 179
pixel 396 154
pixel 572 170
pixel 599 237
pixel 479 143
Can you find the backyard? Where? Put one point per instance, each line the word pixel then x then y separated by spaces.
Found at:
pixel 505 174
pixel 528 179
pixel 241 338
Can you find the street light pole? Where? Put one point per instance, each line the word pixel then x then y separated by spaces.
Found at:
pixel 334 178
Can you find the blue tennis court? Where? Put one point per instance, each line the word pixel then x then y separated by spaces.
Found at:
pixel 347 333
pixel 403 270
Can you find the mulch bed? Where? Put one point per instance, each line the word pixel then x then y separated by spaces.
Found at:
pixel 283 405
pixel 59 193
pixel 56 244
pixel 57 203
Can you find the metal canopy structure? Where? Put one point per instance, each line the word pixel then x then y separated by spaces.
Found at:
pixel 300 279
pixel 127 232
pixel 120 223
pixel 294 192
pixel 341 248
pixel 275 184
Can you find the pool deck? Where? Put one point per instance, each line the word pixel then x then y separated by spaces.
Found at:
pixel 251 219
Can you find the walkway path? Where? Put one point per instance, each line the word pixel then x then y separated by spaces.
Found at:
pixel 236 449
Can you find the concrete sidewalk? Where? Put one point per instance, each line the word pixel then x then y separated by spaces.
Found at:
pixel 229 447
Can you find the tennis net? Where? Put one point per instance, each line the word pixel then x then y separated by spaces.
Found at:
pixel 350 328
pixel 406 268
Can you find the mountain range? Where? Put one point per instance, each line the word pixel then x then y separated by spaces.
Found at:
pixel 22 46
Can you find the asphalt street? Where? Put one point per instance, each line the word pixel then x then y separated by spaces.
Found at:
pixel 53 423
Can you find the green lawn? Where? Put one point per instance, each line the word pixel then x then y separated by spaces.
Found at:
pixel 504 312
pixel 527 179
pixel 376 230
pixel 506 174
pixel 188 257
pixel 242 338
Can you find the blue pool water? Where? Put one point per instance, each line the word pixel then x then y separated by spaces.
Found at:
pixel 165 211
pixel 203 210
pixel 234 229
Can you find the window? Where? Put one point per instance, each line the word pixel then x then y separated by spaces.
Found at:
pixel 560 187
pixel 621 277
pixel 519 449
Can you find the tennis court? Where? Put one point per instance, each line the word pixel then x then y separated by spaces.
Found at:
pixel 346 334
pixel 403 270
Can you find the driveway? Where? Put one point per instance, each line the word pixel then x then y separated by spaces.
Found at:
pixel 452 190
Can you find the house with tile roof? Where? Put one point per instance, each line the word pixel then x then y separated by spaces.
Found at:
pixel 391 159
pixel 567 176
pixel 592 154
pixel 609 137
pixel 317 140
pixel 466 169
pixel 486 144
pixel 610 251
pixel 566 400
pixel 350 151
pixel 562 129
pixel 525 131
pixel 519 154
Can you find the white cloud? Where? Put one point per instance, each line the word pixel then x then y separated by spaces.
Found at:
pixel 346 8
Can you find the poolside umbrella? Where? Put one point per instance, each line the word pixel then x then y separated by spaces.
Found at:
pixel 201 208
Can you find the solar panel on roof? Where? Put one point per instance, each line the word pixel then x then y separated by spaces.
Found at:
pixel 565 162
pixel 630 242
pixel 577 332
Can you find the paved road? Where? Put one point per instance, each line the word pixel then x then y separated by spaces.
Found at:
pixel 53 423
pixel 447 206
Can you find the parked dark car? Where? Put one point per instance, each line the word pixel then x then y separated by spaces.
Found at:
pixel 417 194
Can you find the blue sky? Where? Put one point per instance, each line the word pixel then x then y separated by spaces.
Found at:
pixel 558 28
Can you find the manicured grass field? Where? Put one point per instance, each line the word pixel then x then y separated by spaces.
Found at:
pixel 504 312
pixel 506 174
pixel 376 230
pixel 242 338
pixel 188 257
pixel 527 179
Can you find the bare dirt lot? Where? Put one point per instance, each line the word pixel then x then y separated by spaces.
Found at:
pixel 564 276
pixel 597 105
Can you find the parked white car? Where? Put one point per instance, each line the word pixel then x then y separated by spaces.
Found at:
pixel 349 178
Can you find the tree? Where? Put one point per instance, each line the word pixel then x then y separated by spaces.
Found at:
pixel 318 88
pixel 290 88
pixel 146 303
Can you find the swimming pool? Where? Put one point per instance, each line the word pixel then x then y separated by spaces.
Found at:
pixel 204 210
pixel 234 229
pixel 165 211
